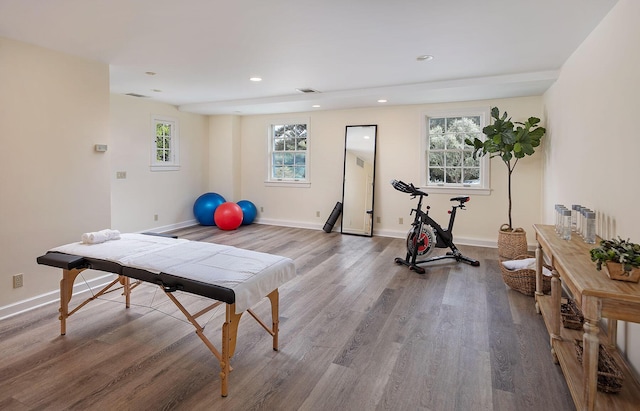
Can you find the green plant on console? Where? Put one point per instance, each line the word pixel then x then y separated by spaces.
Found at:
pixel 618 251
pixel 509 140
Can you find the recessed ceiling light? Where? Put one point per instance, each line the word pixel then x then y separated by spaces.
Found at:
pixel 307 90
pixel 255 79
pixel 316 105
pixel 136 95
pixel 382 101
pixel 366 137
pixel 150 73
pixel 425 57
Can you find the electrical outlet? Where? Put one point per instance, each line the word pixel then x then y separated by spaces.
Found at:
pixel 400 220
pixel 18 281
pixel 378 220
pixel 261 209
pixel 121 174
pixel 155 217
pixel 317 213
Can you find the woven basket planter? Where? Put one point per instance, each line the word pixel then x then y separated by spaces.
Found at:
pixel 610 376
pixel 524 280
pixel 615 271
pixel 511 244
pixel 571 315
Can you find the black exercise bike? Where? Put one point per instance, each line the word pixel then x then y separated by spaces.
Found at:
pixel 426 234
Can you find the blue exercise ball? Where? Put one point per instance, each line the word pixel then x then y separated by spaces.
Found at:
pixel 205 207
pixel 249 211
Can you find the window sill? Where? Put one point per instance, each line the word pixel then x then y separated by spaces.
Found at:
pixel 457 190
pixel 165 168
pixel 296 184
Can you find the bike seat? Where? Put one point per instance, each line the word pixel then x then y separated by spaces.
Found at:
pixel 462 199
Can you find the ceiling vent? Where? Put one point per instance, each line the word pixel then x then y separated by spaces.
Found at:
pixel 136 95
pixel 307 90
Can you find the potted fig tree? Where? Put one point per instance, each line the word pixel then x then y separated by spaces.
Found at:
pixel 510 141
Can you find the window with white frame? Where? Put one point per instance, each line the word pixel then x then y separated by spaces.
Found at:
pixel 288 152
pixel 164 144
pixel 447 161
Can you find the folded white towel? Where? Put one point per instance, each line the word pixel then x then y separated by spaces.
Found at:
pixel 529 263
pixel 101 236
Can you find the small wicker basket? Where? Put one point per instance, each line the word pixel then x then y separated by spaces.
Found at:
pixel 571 315
pixel 524 280
pixel 610 377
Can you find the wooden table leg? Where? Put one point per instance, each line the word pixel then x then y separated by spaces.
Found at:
pixel 224 362
pixel 556 295
pixel 591 347
pixel 229 337
pixel 539 292
pixel 612 333
pixel 66 292
pixel 126 290
pixel 274 298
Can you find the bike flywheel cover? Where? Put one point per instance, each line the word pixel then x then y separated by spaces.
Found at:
pixel 424 239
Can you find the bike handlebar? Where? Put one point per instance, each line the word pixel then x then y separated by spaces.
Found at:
pixel 407 188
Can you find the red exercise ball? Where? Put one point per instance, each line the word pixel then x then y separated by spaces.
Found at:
pixel 228 216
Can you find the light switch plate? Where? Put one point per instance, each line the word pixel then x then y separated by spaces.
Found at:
pixel 101 148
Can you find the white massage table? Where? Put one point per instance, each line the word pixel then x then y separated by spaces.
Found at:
pixel 236 277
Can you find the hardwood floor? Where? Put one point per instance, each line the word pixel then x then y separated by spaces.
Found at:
pixel 357 332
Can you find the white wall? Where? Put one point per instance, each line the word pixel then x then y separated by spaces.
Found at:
pixel 55 186
pixel 143 194
pixel 225 157
pixel 593 147
pixel 53 109
pixel 398 156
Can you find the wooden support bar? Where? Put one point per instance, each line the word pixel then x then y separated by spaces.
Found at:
pixel 196 325
pixel 104 290
pixel 259 321
pixel 207 309
pixel 135 284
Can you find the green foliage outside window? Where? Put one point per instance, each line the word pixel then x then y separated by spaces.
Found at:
pixel 449 159
pixel 289 152
pixel 163 141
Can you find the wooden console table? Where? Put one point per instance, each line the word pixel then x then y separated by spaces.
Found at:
pixel 598 297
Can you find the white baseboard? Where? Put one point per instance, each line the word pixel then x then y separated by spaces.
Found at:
pixel 292 224
pixel 165 228
pixel 53 296
pixel 458 240
pixel 383 233
pixel 478 242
